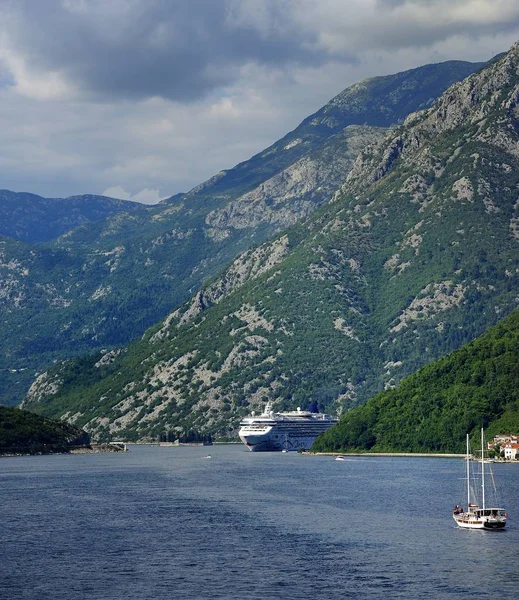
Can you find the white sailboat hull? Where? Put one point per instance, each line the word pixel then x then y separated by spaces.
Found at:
pixel 479 516
pixel 477 522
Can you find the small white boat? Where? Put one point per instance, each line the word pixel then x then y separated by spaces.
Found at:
pixel 339 458
pixel 476 516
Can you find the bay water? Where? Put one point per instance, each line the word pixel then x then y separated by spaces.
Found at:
pixel 222 522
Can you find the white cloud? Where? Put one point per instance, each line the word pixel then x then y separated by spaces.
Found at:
pixel 145 196
pixel 41 85
pixel 117 191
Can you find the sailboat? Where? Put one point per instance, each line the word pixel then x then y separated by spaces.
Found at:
pixel 479 517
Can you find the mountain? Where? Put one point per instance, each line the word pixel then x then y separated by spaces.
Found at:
pixel 31 218
pixel 22 432
pixel 104 282
pixel 433 410
pixel 415 255
pixel 377 102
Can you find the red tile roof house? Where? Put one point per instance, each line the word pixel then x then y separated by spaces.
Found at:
pixel 511 449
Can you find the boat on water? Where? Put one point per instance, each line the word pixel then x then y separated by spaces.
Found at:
pixel 479 516
pixel 278 431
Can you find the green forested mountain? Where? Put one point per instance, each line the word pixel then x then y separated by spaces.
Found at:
pixel 415 255
pixel 432 410
pixel 104 282
pixel 22 432
pixel 31 218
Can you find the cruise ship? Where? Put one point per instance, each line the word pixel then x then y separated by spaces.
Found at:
pixel 283 431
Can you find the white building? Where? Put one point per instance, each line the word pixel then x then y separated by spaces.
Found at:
pixel 511 449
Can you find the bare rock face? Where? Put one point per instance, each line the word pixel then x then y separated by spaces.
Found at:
pixel 472 101
pixel 246 267
pixel 249 265
pixel 45 385
pixel 433 299
pixel 294 192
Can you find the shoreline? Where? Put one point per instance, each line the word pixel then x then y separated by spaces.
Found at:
pixel 408 455
pixel 91 449
pixel 387 454
pixel 97 449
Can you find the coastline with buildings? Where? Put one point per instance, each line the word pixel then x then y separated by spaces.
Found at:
pixel 505 447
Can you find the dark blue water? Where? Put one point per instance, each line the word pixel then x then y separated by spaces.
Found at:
pixel 169 523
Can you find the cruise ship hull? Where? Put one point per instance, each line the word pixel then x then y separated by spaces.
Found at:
pixel 261 445
pixel 276 442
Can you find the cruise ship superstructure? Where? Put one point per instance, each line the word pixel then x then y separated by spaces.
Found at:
pixel 295 430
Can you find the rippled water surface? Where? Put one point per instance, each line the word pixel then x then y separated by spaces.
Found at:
pixel 165 522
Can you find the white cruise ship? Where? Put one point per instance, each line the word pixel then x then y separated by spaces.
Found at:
pixel 283 431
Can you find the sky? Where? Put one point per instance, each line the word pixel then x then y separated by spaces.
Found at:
pixel 142 99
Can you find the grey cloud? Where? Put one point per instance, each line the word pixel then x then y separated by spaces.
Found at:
pixel 402 36
pixel 175 49
pixel 390 25
pixel 390 3
pixel 183 50
pixel 425 3
pixel 194 51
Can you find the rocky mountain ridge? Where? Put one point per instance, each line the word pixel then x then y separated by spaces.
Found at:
pixel 416 255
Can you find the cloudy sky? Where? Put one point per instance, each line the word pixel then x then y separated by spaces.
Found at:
pixel 142 99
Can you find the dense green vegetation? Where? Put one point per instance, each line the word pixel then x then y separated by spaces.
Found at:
pixel 432 410
pixel 22 432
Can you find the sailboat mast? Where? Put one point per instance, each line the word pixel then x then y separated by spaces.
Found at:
pixel 483 466
pixel 468 473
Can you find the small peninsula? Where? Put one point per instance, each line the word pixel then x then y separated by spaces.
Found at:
pixel 23 432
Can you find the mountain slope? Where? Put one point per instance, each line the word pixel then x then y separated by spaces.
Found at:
pixel 433 410
pixel 31 218
pixel 415 255
pixel 378 101
pixel 103 283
